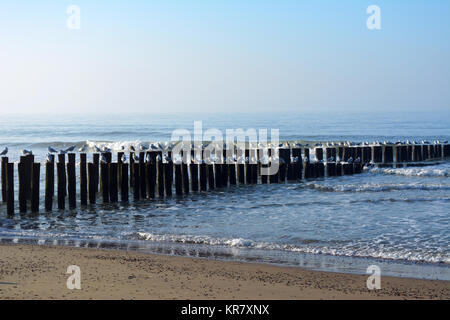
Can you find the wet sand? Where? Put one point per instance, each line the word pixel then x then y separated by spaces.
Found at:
pixel 39 272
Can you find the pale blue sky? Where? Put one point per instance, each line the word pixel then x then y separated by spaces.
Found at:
pixel 246 55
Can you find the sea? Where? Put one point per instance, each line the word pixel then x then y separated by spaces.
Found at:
pixel 395 218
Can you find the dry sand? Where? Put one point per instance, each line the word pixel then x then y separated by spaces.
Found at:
pixel 39 272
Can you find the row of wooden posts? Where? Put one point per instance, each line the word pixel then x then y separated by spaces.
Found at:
pixel 151 177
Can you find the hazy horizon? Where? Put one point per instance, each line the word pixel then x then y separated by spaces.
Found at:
pixel 224 56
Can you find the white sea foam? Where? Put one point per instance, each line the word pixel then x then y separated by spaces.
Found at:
pixel 351 250
pixel 376 187
pixel 433 171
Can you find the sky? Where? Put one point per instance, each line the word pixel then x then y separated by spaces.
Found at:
pixel 224 56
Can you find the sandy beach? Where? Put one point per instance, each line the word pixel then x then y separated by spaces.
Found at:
pixel 39 272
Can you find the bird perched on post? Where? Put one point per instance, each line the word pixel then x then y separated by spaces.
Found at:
pixel 83 148
pixel 51 150
pixel 70 149
pixel 4 152
pixel 27 152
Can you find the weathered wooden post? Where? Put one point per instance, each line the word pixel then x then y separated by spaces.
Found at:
pixel 61 173
pixel 377 152
pixel 4 178
pixel 331 169
pixel 151 174
pixel 28 162
pixel 136 181
pixel 367 155
pixel 119 167
pixel 168 175
pixel 203 176
pixel 388 155
pixel 425 152
pixel 104 176
pixel 225 168
pixel 160 174
pixel 113 189
pixel 96 160
pixel 339 169
pixel 285 159
pixel 132 169
pixel 178 180
pixel 210 170
pixel 340 153
pixel 124 185
pixel 297 164
pixel 92 179
pixel 71 180
pixel 49 182
pixel 83 179
pixel 193 168
pixel 218 174
pixel 348 168
pixel 330 153
pixel 142 176
pixel 184 171
pixel 35 187
pixel 318 153
pixel 320 169
pixel 10 188
pixel 23 180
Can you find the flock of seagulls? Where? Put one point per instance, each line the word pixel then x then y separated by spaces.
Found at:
pixel 168 146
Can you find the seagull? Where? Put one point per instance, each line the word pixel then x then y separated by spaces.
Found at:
pixel 50 157
pixel 27 152
pixel 70 149
pixel 132 148
pixel 158 158
pixel 104 158
pixel 350 160
pixel 167 158
pixel 136 158
pixel 62 151
pixel 330 159
pixel 97 149
pixel 143 147
pixel 154 147
pixel 124 158
pixel 51 150
pixel 358 160
pixel 82 149
pixel 4 152
pixel 106 149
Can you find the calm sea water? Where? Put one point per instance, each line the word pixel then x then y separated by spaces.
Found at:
pixel 398 219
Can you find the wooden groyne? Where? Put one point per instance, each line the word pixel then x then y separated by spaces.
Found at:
pixel 154 173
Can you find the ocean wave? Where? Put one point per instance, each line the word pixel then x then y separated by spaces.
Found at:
pixel 376 187
pixel 305 246
pixel 435 171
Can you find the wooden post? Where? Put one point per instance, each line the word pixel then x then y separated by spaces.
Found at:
pixel 218 174
pixel 388 155
pixel 248 174
pixel 348 168
pixel 104 176
pixel 119 167
pixel 132 169
pixel 417 153
pixel 210 170
pixel 320 169
pixel 367 154
pixel 160 175
pixel 273 178
pixel 331 169
pixel 35 187
pixel 92 178
pixel 96 162
pixel 193 168
pixel 340 153
pixel 285 159
pixel 446 150
pixel 10 189
pixel 203 176
pixel 357 168
pixel 71 180
pixel 22 170
pixel 151 175
pixel 377 152
pixel 83 179
pixel 318 154
pixel 29 160
pixel 225 169
pixel 298 164
pixel 124 186
pixel 113 189
pixel 49 183
pixel 168 176
pixel 178 180
pixel 425 152
pixel 184 171
pixel 4 178
pixel 142 175
pixel 61 173
pixel 136 189
pixel 339 169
